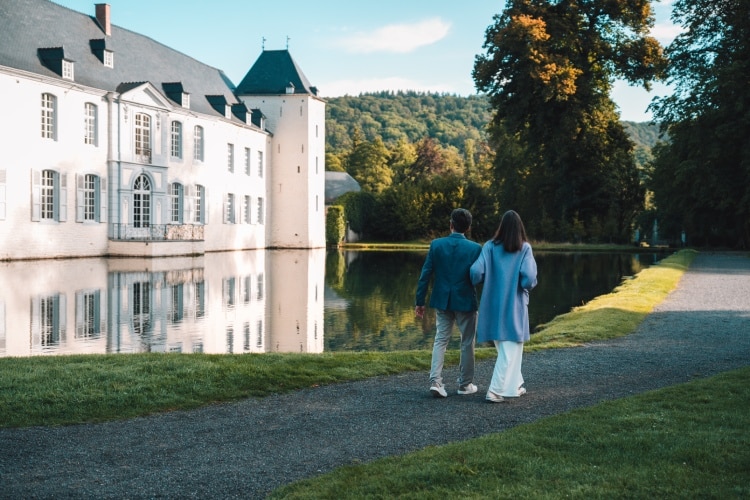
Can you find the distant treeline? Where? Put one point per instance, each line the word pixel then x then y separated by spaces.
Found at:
pixel 448 119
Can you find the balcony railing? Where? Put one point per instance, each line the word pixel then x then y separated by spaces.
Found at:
pixel 143 155
pixel 158 232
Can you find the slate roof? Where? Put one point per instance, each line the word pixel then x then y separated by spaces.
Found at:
pixel 29 25
pixel 271 73
pixel 338 183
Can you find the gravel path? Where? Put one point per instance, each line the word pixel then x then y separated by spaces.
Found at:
pixel 246 449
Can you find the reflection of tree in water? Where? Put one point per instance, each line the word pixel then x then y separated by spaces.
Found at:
pixel 378 288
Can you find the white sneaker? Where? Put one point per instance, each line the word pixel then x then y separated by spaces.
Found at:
pixel 438 391
pixel 467 389
pixel 494 398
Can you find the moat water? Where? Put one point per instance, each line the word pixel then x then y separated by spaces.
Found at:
pixel 256 301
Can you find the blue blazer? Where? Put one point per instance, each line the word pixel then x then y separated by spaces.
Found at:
pixel 448 262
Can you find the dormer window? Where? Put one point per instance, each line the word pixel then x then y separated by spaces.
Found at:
pixel 221 105
pixel 109 59
pixel 176 92
pixel 102 52
pixel 67 70
pixel 290 88
pixel 54 59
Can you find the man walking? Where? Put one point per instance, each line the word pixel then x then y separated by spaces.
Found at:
pixel 454 298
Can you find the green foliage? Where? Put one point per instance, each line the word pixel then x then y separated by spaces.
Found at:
pixel 335 225
pixel 701 178
pixel 562 153
pixel 408 117
pixel 358 209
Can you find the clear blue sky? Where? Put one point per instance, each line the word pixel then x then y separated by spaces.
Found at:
pixel 343 47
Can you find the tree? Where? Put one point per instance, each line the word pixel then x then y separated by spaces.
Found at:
pixel 548 69
pixel 701 177
pixel 368 164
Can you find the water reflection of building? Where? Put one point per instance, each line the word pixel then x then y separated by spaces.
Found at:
pixel 233 302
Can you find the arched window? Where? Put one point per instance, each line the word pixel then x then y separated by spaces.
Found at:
pixel 176 140
pixel 143 137
pixel 198 143
pixel 49 116
pixel 142 202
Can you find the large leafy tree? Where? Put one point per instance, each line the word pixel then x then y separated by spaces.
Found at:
pixel 548 69
pixel 701 177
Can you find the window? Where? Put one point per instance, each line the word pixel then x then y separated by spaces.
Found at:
pixel 49 185
pixel 49 118
pixel 48 320
pixel 143 137
pixel 230 157
pixel 89 123
pixel 260 164
pixel 200 299
pixel 247 161
pixel 246 209
pixel 246 290
pixel 142 202
pixel 91 199
pixel 200 204
pixel 175 202
pixel 141 301
pixel 175 307
pixel 109 58
pixel 67 70
pixel 48 196
pixel 229 209
pixel 176 149
pixel 260 287
pixel 198 143
pixel 228 292
pixel 260 218
pixel 88 314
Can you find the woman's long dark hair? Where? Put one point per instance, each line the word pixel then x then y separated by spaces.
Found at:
pixel 511 233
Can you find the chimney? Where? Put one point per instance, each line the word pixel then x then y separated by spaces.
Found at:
pixel 102 16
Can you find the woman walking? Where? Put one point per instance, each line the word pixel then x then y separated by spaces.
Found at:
pixel 507 268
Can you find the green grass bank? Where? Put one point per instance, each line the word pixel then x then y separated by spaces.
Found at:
pixel 62 390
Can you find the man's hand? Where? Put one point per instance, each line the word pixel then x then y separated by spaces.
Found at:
pixel 419 311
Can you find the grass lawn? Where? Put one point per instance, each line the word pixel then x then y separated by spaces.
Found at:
pixel 60 390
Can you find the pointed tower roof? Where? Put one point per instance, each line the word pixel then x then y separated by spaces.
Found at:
pixel 274 72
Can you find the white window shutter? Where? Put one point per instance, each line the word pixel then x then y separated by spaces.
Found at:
pixel 79 197
pixel 36 195
pixel 102 199
pixel 63 216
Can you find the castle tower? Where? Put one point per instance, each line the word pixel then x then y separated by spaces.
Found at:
pixel 295 115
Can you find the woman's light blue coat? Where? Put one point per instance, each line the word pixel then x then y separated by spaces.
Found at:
pixel 504 305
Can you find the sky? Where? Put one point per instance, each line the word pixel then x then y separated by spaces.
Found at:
pixel 345 47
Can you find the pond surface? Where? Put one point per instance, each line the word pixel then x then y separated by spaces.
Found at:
pixel 255 301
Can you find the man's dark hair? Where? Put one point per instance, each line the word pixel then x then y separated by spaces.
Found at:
pixel 461 220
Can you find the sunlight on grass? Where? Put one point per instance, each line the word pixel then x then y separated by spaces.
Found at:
pixel 688 440
pixel 617 313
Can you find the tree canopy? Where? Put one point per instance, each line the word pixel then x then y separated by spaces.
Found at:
pixel 563 157
pixel 701 177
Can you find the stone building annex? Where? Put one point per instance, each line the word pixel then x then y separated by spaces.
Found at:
pixel 116 145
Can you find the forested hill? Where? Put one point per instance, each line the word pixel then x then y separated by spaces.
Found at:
pixel 411 116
